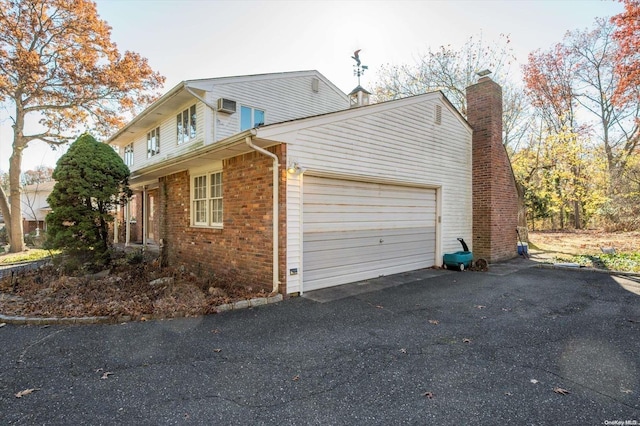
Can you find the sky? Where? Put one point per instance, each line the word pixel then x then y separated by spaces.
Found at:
pixel 190 39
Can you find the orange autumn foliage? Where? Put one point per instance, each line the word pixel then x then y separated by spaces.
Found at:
pixel 58 64
pixel 627 35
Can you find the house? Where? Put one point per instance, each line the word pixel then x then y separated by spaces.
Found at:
pixel 357 191
pixel 35 207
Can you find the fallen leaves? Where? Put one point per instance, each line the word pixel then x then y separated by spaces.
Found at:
pixel 434 322
pixel 296 378
pixel 534 381
pixel 480 306
pixel 2 324
pixel 465 340
pixel 26 392
pixel 428 395
pixel 217 350
pixel 105 374
pixel 50 292
pixel 561 391
pixel 403 351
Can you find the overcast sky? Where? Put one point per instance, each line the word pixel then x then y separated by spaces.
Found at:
pixel 189 39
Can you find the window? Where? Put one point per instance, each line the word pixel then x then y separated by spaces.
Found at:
pixel 186 125
pixel 207 200
pixel 128 155
pixel 250 118
pixel 153 142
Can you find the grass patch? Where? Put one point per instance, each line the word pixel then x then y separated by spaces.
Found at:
pixel 621 262
pixel 27 256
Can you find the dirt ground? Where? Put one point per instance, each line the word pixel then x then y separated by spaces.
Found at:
pixel 584 242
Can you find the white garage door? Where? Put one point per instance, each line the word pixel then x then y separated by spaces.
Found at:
pixel 359 230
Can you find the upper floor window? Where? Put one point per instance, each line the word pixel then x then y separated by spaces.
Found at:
pixel 207 200
pixel 250 118
pixel 128 155
pixel 153 142
pixel 186 125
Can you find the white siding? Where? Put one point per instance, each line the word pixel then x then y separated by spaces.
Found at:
pixel 294 234
pixel 395 142
pixel 169 147
pixel 284 96
pixel 280 98
pixel 34 201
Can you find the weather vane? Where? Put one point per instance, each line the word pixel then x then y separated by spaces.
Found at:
pixel 358 69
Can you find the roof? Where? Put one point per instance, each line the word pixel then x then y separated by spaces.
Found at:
pixel 275 128
pixel 359 88
pixel 39 187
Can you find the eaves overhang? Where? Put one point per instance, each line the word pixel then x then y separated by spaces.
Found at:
pixel 157 111
pixel 226 148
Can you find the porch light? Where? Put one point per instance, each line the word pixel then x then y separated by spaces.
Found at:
pixel 293 168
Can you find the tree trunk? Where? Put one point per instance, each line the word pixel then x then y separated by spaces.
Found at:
pixel 16 228
pixel 6 212
pixel 15 169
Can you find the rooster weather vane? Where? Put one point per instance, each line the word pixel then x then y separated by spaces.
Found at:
pixel 358 69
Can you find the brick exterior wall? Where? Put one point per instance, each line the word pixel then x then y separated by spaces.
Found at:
pixel 243 249
pixel 495 197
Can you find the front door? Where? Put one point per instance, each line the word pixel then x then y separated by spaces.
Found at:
pixel 152 222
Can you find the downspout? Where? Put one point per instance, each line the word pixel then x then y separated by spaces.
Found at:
pixel 276 217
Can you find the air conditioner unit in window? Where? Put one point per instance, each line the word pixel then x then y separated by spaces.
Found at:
pixel 226 105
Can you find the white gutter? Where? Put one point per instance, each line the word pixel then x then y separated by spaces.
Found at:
pixel 276 217
pixel 276 183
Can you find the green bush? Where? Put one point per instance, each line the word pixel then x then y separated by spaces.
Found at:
pixel 91 179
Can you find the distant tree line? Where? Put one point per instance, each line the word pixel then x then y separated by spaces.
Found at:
pixel 572 124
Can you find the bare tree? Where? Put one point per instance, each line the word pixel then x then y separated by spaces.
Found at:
pixel 452 71
pixel 615 125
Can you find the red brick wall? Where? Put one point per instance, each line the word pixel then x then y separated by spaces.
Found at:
pixel 495 197
pixel 244 247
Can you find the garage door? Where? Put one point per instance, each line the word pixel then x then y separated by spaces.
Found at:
pixel 359 230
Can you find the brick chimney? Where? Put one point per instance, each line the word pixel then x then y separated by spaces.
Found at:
pixel 495 197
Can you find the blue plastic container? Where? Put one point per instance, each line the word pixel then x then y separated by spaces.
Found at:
pixel 523 249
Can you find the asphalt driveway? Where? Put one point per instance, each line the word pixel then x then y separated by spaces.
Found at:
pixel 430 347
